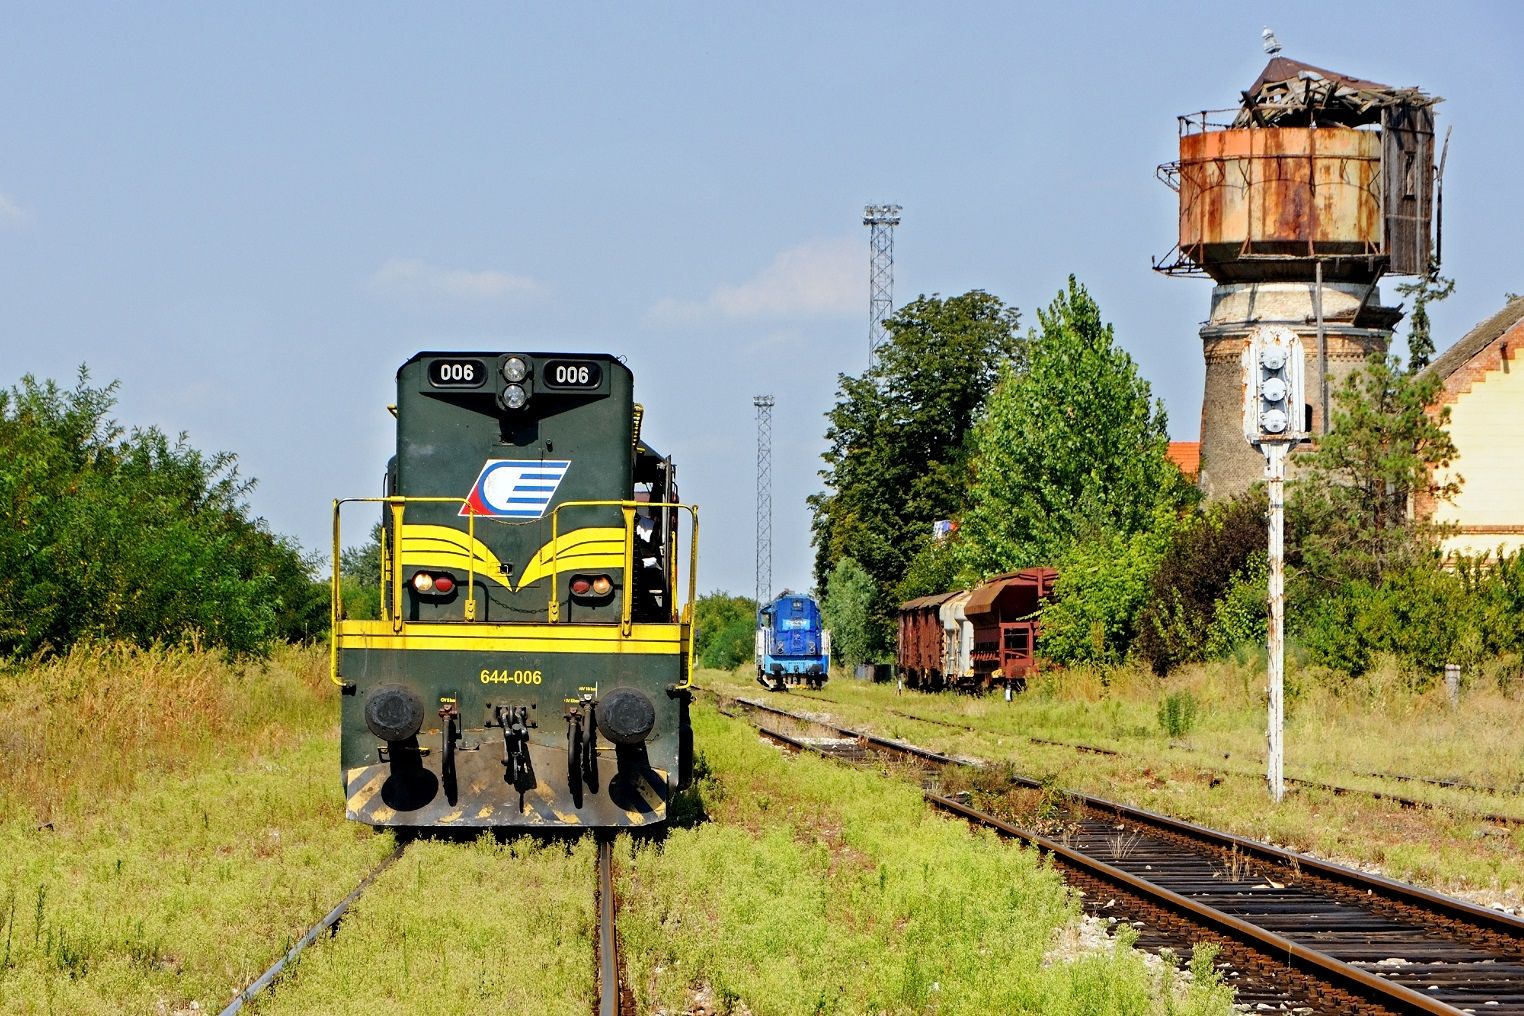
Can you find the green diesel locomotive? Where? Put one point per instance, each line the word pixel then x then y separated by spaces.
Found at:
pixel 530 665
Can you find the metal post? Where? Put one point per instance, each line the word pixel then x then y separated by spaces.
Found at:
pixel 1452 683
pixel 764 573
pixel 1275 475
pixel 1317 309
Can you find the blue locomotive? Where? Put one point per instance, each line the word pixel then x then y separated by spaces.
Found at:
pixel 793 646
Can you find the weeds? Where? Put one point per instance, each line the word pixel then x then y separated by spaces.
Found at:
pixel 1177 714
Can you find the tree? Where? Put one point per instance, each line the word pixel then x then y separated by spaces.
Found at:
pixel 848 613
pixel 898 454
pixel 125 535
pixel 723 629
pixel 1350 508
pixel 1195 581
pixel 1431 288
pixel 1072 445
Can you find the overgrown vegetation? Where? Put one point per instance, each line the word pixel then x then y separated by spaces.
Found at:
pixel 117 534
pixel 898 455
pixel 832 890
pixel 848 613
pixel 724 630
pixel 1069 450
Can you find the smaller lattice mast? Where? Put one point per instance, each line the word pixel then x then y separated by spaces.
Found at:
pixel 764 576
pixel 880 220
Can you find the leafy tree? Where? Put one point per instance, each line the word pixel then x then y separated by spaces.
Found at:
pixel 1431 288
pixel 360 573
pixel 129 535
pixel 724 629
pixel 1072 445
pixel 898 454
pixel 932 569
pixel 1209 553
pixel 1349 512
pixel 848 612
pixel 1103 584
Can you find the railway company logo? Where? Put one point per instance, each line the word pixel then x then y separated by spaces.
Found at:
pixel 514 489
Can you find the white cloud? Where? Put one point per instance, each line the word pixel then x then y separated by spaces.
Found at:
pixel 11 214
pixel 817 278
pixel 412 278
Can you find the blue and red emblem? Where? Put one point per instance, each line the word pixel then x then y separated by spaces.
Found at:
pixel 514 489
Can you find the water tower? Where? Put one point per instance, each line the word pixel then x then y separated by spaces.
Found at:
pixel 1295 203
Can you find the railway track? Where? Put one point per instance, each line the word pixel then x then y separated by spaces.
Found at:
pixel 613 997
pixel 613 1000
pixel 1299 933
pixel 1402 800
pixel 329 923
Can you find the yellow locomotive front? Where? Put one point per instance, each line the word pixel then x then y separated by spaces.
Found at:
pixel 530 663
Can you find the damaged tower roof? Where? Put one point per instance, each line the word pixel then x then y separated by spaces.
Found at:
pixel 1289 93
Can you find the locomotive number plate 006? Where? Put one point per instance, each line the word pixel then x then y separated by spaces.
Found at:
pixel 457 373
pixel 571 375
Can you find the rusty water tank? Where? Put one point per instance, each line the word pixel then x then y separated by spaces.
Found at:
pixel 1256 202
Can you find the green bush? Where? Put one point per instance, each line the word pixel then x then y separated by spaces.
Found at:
pixel 1102 586
pixel 1212 556
pixel 724 629
pixel 125 535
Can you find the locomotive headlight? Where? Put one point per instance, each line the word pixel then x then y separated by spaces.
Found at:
pixel 514 396
pixel 603 585
pixel 515 369
pixel 423 582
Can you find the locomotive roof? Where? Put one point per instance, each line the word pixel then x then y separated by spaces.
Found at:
pixel 489 353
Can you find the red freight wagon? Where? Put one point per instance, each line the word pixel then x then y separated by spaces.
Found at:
pixel 1003 613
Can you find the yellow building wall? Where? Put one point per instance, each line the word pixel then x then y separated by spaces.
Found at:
pixel 1487 426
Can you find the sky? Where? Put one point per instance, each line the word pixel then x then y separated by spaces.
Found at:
pixel 251 215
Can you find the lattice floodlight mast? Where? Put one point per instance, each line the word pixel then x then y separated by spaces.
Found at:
pixel 764 578
pixel 880 220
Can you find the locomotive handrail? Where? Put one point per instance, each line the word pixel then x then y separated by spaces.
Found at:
pixel 390 569
pixel 627 510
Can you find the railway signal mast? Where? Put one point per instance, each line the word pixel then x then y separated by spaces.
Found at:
pixel 764 574
pixel 880 220
pixel 1274 418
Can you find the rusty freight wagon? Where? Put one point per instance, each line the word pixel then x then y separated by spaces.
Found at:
pixel 984 638
pixel 921 657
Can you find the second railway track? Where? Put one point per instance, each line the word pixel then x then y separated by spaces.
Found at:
pixel 1300 933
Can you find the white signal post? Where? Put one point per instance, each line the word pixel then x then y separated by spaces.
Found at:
pixel 1273 423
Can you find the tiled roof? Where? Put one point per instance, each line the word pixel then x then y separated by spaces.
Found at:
pixel 1186 455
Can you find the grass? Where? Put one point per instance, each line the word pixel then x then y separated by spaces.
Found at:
pixel 817 888
pixel 1336 729
pixel 482 927
pixel 171 821
pixel 88 726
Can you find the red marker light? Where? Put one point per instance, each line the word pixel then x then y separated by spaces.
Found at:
pixel 443 583
pixel 580 586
